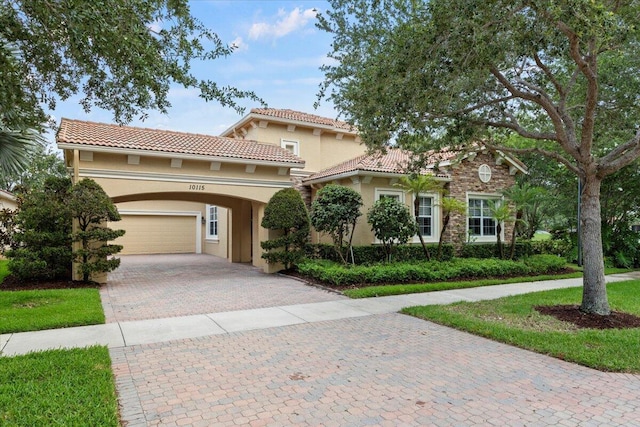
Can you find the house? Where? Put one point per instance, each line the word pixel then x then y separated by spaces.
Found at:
pixel 7 200
pixel 190 193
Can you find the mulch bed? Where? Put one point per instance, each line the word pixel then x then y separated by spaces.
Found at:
pixel 11 283
pixel 572 313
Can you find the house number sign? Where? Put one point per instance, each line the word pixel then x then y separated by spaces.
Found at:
pixel 196 187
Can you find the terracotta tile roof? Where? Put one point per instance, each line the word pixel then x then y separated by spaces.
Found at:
pixel 126 137
pixel 303 117
pixel 394 161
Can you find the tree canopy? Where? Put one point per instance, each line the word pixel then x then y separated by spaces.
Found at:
pixel 564 75
pixel 122 56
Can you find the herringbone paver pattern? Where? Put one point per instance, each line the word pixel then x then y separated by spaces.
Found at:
pixel 159 286
pixel 386 370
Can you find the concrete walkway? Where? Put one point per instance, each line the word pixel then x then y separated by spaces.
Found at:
pixel 150 331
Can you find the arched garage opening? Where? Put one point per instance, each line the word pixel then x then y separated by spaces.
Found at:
pixel 202 222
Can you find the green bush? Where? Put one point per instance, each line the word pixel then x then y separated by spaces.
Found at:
pixel 373 254
pixel 427 271
pixel 559 247
pixel 490 250
pixel 286 214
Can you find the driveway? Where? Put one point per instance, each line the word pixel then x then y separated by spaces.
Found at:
pixel 380 369
pixel 160 286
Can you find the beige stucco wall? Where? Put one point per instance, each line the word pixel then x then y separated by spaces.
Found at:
pixel 319 151
pixel 7 202
pixel 465 183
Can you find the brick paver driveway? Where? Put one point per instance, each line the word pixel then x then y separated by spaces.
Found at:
pixel 157 286
pixel 386 369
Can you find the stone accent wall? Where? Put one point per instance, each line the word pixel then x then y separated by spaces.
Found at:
pixel 304 190
pixel 465 179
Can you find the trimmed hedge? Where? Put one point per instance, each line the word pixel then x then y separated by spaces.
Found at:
pixel 374 254
pixel 335 274
pixel 490 250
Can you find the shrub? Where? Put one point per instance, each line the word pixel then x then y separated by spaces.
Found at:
pixel 373 254
pixel 286 214
pixel 481 250
pixel 427 271
pixel 44 236
pixel 335 212
pixel 92 208
pixel 391 223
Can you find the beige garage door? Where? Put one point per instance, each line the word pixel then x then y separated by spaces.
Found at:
pixel 153 234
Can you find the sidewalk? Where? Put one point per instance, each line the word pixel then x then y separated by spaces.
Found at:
pixel 129 333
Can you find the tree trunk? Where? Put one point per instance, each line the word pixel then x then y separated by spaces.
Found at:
pixel 594 289
pixel 445 222
pixel 519 215
pixel 498 240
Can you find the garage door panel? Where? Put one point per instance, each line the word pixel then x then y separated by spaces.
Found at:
pixel 153 234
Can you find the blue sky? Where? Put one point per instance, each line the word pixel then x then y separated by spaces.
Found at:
pixel 279 52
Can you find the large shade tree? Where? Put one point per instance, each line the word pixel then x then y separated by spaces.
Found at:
pixel 122 56
pixel 563 74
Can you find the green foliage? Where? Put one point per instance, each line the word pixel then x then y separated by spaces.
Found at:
pixel 513 320
pixel 286 214
pixel 374 254
pixel 43 239
pixel 432 271
pixel 40 163
pixel 35 310
pixel 391 223
pixel 486 250
pixel 7 229
pixel 335 212
pixel 58 387
pixel 563 75
pixel 108 51
pixel 92 208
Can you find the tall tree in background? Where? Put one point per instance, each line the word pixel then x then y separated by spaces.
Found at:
pixel 122 56
pixel 565 75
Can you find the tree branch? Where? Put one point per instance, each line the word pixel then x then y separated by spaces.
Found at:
pixel 536 150
pixel 621 156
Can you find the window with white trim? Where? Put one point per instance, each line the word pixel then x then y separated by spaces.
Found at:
pixel 390 194
pixel 481 223
pixel 425 216
pixel 212 222
pixel 292 146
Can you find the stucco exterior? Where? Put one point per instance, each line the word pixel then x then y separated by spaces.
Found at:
pixel 169 186
pixel 7 200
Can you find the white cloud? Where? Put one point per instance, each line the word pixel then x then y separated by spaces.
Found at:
pixel 238 45
pixel 285 23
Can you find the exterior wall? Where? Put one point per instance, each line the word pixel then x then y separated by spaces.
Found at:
pixel 7 201
pixel 465 181
pixel 319 150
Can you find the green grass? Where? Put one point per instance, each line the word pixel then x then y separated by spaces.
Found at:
pixel 58 388
pixel 513 320
pixel 387 290
pixel 4 269
pixel 35 310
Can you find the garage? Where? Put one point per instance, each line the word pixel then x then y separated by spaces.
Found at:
pixel 158 233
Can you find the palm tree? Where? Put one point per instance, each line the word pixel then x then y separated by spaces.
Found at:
pixel 449 206
pixel 15 148
pixel 501 213
pixel 417 184
pixel 523 196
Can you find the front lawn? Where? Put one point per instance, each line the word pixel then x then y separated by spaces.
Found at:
pixel 513 320
pixel 4 269
pixel 58 387
pixel 34 310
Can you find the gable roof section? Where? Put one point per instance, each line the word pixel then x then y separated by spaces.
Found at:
pixel 393 162
pixel 79 134
pixel 292 117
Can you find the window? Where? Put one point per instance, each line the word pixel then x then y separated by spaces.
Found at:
pixel 425 216
pixel 481 224
pixel 292 146
pixel 212 222
pixel 391 194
